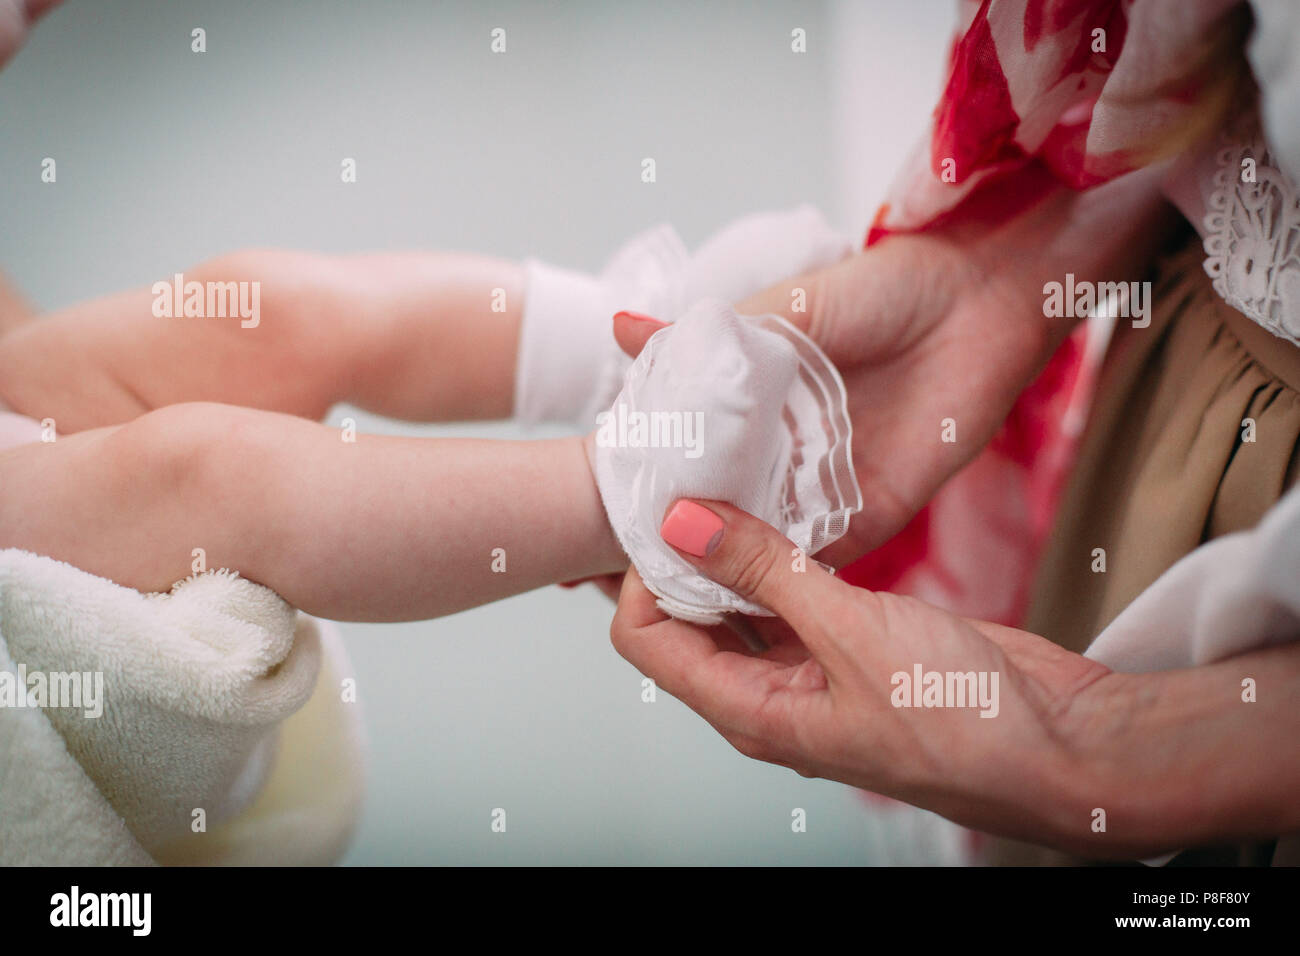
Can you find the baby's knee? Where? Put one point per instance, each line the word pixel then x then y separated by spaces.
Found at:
pixel 293 289
pixel 189 452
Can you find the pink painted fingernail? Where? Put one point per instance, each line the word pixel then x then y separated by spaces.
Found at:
pixel 692 528
pixel 641 318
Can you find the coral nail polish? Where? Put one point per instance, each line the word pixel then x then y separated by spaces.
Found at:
pixel 692 528
pixel 639 317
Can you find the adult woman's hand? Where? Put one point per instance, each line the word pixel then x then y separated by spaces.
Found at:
pixel 950 324
pixel 1055 738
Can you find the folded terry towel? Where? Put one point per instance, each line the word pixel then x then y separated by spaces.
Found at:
pixel 216 697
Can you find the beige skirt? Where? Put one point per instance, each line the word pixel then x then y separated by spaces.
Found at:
pixel 1166 464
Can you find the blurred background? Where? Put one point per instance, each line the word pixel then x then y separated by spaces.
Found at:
pixel 166 157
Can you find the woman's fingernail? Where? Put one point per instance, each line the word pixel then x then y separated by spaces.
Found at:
pixel 639 317
pixel 692 528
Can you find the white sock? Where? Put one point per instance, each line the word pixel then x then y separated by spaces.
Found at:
pixel 723 407
pixel 570 368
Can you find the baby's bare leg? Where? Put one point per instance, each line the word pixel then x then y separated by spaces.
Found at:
pixel 426 336
pixel 378 529
pixel 14 310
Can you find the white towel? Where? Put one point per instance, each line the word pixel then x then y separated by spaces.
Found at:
pixel 216 697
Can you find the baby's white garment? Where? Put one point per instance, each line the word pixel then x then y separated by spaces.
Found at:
pixel 570 368
pixel 216 697
pixel 717 406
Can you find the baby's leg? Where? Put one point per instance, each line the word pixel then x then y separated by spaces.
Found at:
pixel 376 529
pixel 418 335
pixel 14 310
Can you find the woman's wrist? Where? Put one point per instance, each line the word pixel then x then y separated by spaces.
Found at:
pixel 1042 780
pixel 1133 744
pixel 1142 744
pixel 1108 233
pixel 1103 810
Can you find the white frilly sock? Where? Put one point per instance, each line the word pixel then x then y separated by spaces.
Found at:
pixel 758 409
pixel 731 408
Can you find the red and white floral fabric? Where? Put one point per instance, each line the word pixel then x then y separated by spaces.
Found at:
pixel 1086 90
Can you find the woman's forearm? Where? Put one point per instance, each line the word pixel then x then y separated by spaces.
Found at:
pixel 1184 758
pixel 414 335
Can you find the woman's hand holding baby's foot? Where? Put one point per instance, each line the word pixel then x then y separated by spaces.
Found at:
pixel 944 324
pixel 919 335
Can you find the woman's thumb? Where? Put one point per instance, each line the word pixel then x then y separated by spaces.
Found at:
pixel 632 331
pixel 750 557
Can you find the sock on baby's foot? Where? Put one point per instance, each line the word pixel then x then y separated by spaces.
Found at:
pixel 732 408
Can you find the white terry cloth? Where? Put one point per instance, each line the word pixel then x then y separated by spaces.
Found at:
pixel 216 696
pixel 569 367
pixel 1237 593
pixel 733 408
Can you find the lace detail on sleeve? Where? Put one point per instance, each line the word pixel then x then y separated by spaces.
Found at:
pixel 1252 237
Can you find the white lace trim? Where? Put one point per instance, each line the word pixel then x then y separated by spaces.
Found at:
pixel 1252 237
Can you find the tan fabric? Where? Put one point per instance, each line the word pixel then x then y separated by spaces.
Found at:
pixel 1163 467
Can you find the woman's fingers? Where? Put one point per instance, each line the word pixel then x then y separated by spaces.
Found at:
pixel 685 660
pixel 752 558
pixel 759 704
pixel 632 330
pixel 608 584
